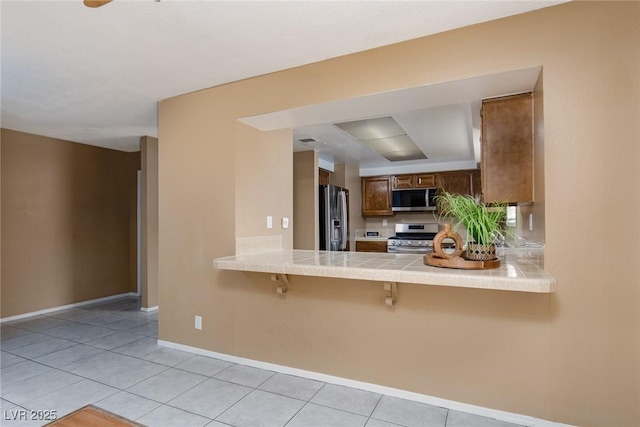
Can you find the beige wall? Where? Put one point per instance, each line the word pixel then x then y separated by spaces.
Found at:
pixel 67 222
pixel 572 357
pixel 305 200
pixel 149 222
pixel 264 184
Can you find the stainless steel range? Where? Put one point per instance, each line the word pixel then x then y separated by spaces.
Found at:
pixel 413 238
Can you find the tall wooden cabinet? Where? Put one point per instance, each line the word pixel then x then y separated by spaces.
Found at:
pixel 324 176
pixel 376 195
pixel 507 149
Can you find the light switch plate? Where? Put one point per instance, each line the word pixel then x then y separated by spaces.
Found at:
pixel 269 222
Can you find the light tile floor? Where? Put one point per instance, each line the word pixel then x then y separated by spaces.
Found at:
pixel 107 355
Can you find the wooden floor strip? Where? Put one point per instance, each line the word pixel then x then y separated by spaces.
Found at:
pixel 92 416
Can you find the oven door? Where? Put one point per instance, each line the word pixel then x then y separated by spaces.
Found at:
pixel 409 249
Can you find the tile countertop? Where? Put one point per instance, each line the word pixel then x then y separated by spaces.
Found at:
pixel 514 273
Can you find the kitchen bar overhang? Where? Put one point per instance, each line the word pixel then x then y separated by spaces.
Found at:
pixel 516 273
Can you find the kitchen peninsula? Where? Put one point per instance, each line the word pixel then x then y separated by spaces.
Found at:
pixel 516 273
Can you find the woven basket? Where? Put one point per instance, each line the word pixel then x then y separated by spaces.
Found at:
pixel 477 252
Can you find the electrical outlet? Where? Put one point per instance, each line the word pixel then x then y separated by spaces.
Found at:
pixel 269 222
pixel 285 222
pixel 384 222
pixel 198 323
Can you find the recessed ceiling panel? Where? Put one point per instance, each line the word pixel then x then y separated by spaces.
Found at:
pixel 384 136
pixel 395 143
pixel 379 127
pixel 404 155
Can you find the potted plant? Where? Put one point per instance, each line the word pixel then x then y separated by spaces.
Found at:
pixel 485 224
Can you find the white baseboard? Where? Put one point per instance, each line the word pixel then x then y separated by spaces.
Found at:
pixel 68 306
pixel 394 392
pixel 149 309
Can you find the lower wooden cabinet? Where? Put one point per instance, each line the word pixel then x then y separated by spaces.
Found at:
pixel 371 246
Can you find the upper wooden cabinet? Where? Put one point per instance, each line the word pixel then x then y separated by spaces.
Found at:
pixel 507 149
pixel 402 181
pixel 376 190
pixel 423 180
pixel 376 195
pixel 323 176
pixel 460 182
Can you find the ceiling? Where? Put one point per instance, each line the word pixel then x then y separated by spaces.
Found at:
pixel 443 120
pixel 94 76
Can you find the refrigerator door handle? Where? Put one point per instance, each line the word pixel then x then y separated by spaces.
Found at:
pixel 327 220
pixel 342 204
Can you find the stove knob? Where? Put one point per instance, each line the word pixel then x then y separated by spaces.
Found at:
pixel 420 243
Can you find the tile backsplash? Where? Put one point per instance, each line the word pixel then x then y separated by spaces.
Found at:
pixel 376 223
pixel 522 248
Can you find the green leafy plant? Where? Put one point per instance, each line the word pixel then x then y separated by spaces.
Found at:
pixel 485 224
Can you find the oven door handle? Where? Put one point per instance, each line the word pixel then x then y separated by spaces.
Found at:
pixel 414 250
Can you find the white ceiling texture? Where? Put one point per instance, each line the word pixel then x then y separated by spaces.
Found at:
pixel 94 76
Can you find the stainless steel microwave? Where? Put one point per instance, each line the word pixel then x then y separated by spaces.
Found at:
pixel 414 200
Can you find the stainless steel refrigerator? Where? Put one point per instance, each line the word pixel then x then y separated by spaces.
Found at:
pixel 334 218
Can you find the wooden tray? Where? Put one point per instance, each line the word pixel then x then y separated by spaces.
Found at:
pixel 459 262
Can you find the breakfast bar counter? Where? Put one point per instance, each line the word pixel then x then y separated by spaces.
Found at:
pixel 514 274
